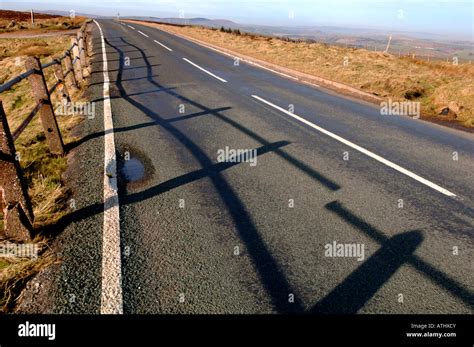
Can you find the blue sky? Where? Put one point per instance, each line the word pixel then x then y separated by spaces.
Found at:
pixel 449 18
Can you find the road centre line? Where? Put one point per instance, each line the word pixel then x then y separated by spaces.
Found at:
pixel 202 69
pixel 361 149
pixel 143 33
pixel 169 49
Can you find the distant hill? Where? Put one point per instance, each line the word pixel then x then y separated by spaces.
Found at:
pixel 67 14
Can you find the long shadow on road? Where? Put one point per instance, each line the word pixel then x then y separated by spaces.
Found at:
pixel 427 270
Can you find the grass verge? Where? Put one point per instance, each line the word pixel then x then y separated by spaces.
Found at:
pixel 42 171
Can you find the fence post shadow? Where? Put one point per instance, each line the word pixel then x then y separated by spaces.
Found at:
pixel 361 285
pixel 427 270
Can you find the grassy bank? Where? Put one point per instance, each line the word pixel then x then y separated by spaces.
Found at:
pixel 436 85
pixel 14 21
pixel 42 171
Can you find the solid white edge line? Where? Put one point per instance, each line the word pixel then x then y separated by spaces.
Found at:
pixel 361 149
pixel 131 27
pixel 271 70
pixel 162 45
pixel 111 296
pixel 143 33
pixel 250 62
pixel 204 70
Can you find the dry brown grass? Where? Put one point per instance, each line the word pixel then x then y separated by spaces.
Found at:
pixel 18 48
pixel 44 24
pixel 14 274
pixel 437 84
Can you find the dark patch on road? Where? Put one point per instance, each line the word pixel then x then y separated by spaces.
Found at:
pixel 134 168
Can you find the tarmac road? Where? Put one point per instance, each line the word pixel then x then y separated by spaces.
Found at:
pixel 202 236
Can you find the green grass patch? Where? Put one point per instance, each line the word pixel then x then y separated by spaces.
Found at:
pixel 3 264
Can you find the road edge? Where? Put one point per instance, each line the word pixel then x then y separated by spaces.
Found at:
pixel 111 295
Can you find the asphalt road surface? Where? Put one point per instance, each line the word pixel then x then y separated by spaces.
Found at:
pixel 198 235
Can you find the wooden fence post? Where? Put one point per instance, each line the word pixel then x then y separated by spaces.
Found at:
pixel 89 45
pixel 46 111
pixel 87 49
pixel 76 62
pixel 80 41
pixel 71 76
pixel 58 73
pixel 18 212
pixel 86 39
pixel 82 51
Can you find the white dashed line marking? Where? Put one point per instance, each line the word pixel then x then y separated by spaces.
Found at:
pixel 143 33
pixel 162 45
pixel 202 69
pixel 243 59
pixel 361 149
pixel 131 27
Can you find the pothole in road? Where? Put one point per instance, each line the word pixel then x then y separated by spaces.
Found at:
pixel 133 170
pixel 134 167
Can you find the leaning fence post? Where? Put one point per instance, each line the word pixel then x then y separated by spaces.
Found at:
pixel 70 73
pixel 87 49
pixel 46 111
pixel 18 212
pixel 86 44
pixel 76 62
pixel 89 45
pixel 82 52
pixel 58 73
